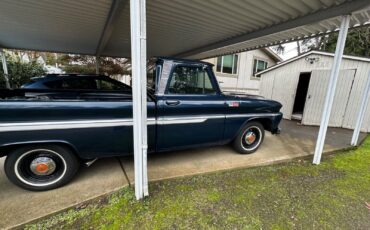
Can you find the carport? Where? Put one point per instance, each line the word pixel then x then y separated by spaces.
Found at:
pixel 191 29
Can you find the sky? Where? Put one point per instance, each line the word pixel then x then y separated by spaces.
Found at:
pixel 290 50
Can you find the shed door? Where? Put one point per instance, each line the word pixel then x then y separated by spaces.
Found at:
pixel 266 85
pixel 317 93
pixel 285 86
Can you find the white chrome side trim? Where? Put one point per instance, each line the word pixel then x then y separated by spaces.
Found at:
pixel 30 126
pixel 252 115
pixel 186 120
pixel 80 124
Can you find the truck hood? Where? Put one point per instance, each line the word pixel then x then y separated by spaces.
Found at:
pixel 254 102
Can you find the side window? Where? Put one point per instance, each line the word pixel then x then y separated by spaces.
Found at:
pixel 107 85
pixel 227 64
pixel 259 65
pixel 190 80
pixel 79 83
pixel 54 84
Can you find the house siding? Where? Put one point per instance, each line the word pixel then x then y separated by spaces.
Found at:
pixel 243 81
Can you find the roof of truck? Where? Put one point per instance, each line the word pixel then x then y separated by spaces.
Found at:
pixel 189 61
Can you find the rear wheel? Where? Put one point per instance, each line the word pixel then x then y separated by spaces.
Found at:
pixel 41 167
pixel 250 138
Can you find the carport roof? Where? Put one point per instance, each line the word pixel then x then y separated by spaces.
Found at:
pixel 192 29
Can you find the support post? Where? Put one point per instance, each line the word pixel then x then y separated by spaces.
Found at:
pixel 5 68
pixel 331 89
pixel 361 115
pixel 138 62
pixel 97 65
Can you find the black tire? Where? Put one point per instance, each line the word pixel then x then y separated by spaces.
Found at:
pixel 254 130
pixel 41 167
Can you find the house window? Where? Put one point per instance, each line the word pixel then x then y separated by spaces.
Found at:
pixel 227 64
pixel 259 65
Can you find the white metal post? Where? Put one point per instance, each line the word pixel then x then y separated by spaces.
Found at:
pixel 143 78
pixel 97 65
pixel 331 88
pixel 5 69
pixel 361 115
pixel 138 61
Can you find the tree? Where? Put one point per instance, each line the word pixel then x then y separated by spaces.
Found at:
pixel 307 44
pixel 279 49
pixel 85 64
pixel 20 72
pixel 357 42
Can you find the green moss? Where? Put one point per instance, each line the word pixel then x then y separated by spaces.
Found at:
pixel 296 195
pixel 213 196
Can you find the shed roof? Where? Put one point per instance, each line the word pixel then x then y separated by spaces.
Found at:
pixel 357 58
pixel 193 29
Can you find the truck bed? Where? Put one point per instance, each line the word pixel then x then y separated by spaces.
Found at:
pixel 48 95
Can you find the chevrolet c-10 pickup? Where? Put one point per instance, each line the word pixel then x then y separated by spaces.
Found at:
pixel 46 134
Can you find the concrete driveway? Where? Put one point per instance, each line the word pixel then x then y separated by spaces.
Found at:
pixel 20 206
pixel 294 141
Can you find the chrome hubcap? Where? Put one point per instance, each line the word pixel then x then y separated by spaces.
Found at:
pixel 43 166
pixel 250 137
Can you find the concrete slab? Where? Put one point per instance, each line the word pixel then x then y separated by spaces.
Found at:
pixel 20 206
pixel 294 141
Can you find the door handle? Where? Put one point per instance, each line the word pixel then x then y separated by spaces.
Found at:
pixel 172 102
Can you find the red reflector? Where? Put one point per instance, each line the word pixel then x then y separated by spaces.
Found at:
pixel 234 104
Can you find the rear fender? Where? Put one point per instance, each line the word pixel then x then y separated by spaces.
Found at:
pixel 6 148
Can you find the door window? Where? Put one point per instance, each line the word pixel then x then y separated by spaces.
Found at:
pixel 190 80
pixel 79 83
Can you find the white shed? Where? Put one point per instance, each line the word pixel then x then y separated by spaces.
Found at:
pixel 300 84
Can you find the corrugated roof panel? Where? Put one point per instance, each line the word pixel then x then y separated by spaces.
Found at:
pixel 310 30
pixel 192 28
pixel 64 26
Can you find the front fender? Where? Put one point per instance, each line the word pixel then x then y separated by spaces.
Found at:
pixel 235 124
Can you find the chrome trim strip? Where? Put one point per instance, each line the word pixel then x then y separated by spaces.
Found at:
pixel 30 126
pixel 165 121
pixel 53 125
pixel 252 115
pixel 80 124
pixel 186 120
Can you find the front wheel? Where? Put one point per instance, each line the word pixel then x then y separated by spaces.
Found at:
pixel 41 167
pixel 250 138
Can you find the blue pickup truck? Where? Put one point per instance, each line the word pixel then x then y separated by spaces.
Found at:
pixel 46 134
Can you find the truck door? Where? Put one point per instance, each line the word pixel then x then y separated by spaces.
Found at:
pixel 191 112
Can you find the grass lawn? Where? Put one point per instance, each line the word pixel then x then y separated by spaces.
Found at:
pixel 295 195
